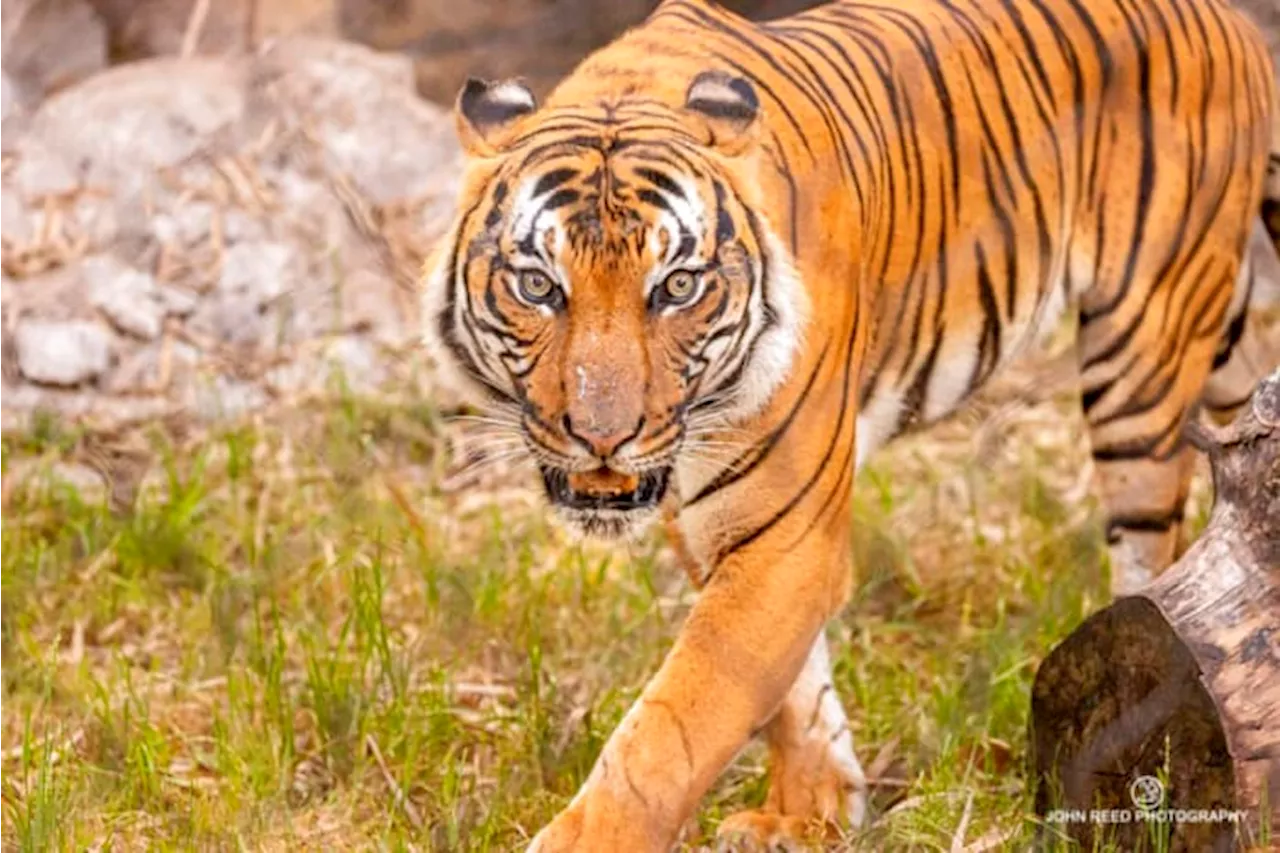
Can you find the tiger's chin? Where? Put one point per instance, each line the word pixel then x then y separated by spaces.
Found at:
pixel 606 526
pixel 605 506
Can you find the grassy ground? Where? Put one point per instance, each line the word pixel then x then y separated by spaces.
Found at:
pixel 307 631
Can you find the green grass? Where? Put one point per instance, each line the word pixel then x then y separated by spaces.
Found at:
pixel 295 639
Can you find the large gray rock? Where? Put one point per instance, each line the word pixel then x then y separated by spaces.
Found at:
pixel 348 95
pixel 15 218
pixel 219 222
pixel 62 353
pixel 128 297
pixel 41 171
pixel 115 130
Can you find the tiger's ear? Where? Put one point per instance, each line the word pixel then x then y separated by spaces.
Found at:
pixel 485 110
pixel 729 106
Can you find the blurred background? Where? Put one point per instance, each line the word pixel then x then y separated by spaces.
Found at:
pixel 262 591
pixel 207 203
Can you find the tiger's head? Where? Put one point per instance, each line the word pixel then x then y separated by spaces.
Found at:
pixel 610 288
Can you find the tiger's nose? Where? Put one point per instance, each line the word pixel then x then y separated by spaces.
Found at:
pixel 601 439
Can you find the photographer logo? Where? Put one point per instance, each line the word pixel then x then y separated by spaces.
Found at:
pixel 1147 793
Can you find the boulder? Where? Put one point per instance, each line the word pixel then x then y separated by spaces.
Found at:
pixel 179 229
pixel 115 130
pixel 62 353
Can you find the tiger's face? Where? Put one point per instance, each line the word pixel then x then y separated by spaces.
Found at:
pixel 611 296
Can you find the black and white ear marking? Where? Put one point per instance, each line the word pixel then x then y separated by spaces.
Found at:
pixel 486 109
pixel 729 104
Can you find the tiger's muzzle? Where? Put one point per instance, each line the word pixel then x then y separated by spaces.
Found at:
pixel 604 503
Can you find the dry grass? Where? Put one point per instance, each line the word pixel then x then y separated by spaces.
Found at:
pixel 288 634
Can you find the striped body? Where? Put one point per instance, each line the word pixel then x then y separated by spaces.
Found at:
pixel 739 257
pixel 958 174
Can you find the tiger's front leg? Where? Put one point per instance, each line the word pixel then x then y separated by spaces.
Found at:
pixel 815 781
pixel 742 648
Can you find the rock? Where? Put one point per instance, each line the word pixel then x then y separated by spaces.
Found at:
pixel 26 404
pixel 242 310
pixel 41 171
pixel 98 220
pixel 65 354
pixel 121 126
pixel 185 226
pixel 15 219
pixel 128 297
pixel 259 272
pixel 59 294
pixel 84 480
pixel 176 301
pixel 269 209
pixel 51 44
pixel 152 368
pixel 328 223
pixel 349 96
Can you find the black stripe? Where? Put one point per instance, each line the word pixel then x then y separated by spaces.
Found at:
pixel 753 456
pixel 725 230
pixel 1235 330
pixel 989 343
pixel 803 491
pixel 561 198
pixel 913 402
pixel 661 181
pixel 654 198
pixel 1143 448
pixel 552 180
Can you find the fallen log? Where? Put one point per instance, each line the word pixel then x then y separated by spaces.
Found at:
pixel 1156 724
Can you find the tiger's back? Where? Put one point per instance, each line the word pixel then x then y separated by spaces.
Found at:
pixel 957 174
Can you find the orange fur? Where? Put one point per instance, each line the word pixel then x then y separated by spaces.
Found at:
pixel 888 200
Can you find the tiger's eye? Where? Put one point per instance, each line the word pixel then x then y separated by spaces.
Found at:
pixel 536 287
pixel 680 287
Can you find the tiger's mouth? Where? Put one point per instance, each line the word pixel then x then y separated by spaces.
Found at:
pixel 605 504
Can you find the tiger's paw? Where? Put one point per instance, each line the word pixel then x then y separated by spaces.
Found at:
pixel 822 789
pixel 762 830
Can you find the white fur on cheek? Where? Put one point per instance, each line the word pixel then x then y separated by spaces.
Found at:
pixel 776 350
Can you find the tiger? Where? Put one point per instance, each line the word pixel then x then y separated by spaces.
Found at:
pixel 726 260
